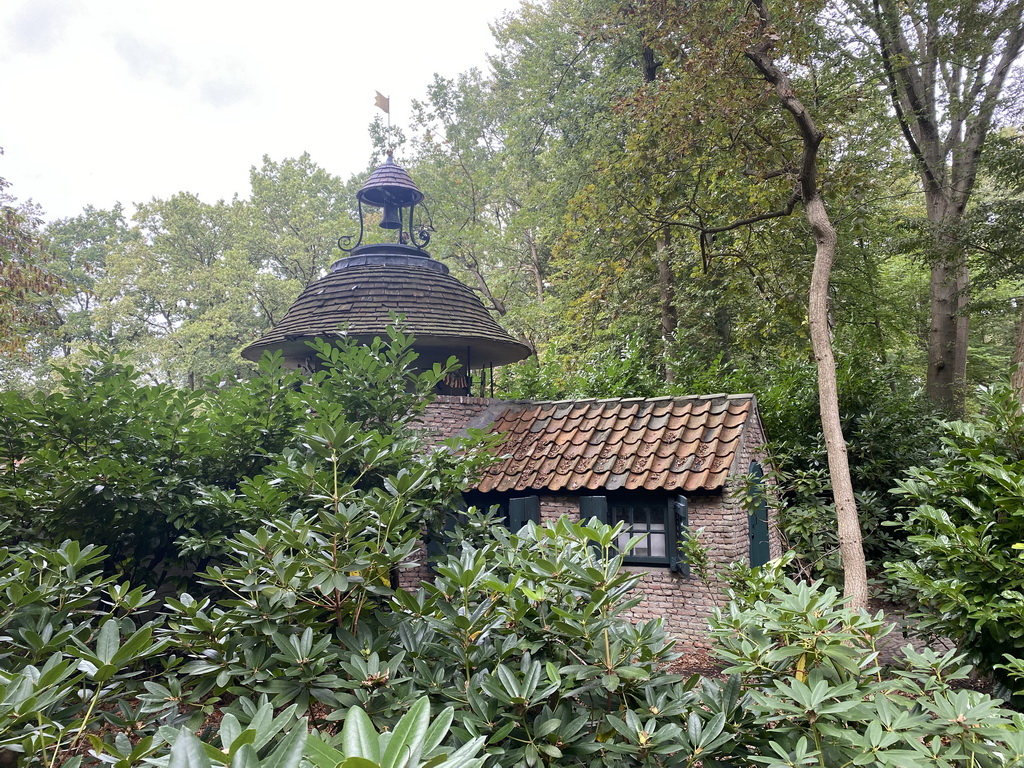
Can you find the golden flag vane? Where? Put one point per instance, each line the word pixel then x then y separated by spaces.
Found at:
pixel 383 103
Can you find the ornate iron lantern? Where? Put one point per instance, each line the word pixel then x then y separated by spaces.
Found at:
pixel 391 188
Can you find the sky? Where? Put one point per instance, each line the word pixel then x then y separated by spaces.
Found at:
pixel 105 101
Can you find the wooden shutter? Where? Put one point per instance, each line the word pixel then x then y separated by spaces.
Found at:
pixel 760 552
pixel 594 506
pixel 678 523
pixel 525 509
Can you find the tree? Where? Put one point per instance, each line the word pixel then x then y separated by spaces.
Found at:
pixel 560 75
pixel 946 65
pixel 178 294
pixel 292 220
pixel 476 200
pixel 994 228
pixel 80 245
pixel 760 52
pixel 715 40
pixel 24 276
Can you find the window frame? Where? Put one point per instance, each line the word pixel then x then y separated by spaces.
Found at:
pixel 618 511
pixel 676 519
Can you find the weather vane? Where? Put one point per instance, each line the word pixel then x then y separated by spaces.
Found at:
pixel 384 104
pixel 391 188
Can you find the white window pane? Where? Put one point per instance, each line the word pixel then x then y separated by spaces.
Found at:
pixel 656 540
pixel 623 540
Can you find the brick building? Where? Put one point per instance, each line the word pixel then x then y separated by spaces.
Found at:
pixel 661 466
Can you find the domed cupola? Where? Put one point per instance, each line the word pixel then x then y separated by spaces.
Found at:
pixel 363 290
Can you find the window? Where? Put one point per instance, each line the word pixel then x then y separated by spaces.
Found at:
pixel 642 520
pixel 658 520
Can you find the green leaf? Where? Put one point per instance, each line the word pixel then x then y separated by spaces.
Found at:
pixel 187 752
pixel 245 757
pixel 359 762
pixel 358 737
pixel 288 753
pixel 107 641
pixel 407 738
pixel 438 729
pixel 321 754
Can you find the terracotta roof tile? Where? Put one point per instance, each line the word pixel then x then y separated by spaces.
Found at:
pixel 685 443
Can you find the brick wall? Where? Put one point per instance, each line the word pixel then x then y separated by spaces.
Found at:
pixel 684 604
pixel 410 578
pixel 450 415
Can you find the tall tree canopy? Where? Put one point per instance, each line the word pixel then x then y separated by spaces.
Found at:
pixel 25 278
pixel 948 65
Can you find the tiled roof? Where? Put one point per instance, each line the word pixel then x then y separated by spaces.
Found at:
pixel 670 443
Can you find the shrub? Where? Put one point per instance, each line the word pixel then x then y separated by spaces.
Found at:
pixel 888 427
pixel 815 694
pixel 963 572
pixel 68 642
pixel 163 477
pixel 521 645
pixel 111 461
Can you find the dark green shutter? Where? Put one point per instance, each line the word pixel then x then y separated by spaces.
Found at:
pixel 523 510
pixel 677 524
pixel 760 552
pixel 594 506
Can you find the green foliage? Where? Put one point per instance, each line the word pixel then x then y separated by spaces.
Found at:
pixel 887 425
pixel 962 568
pixel 69 641
pixel 520 643
pixel 622 369
pixel 163 477
pixel 112 461
pixel 25 278
pixel 414 743
pixel 814 693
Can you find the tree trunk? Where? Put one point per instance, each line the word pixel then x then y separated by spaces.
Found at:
pixel 1017 377
pixel 535 266
pixel 666 294
pixel 722 319
pixel 851 548
pixel 949 327
pixel 855 579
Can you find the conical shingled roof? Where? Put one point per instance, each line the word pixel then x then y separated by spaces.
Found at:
pixel 364 290
pixel 390 177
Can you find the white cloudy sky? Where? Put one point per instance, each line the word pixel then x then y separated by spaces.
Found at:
pixel 125 100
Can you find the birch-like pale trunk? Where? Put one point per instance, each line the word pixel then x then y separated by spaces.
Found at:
pixel 855 579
